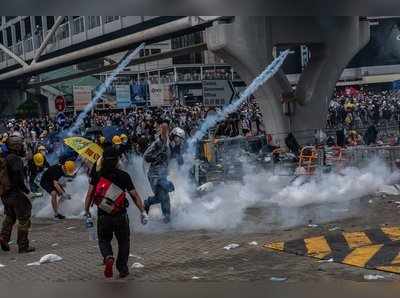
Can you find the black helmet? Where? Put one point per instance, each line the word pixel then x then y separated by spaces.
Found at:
pixel 15 143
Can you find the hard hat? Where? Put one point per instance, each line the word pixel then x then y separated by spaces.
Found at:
pixel 179 132
pixel 102 140
pixel 41 147
pixel 38 159
pixel 116 140
pixel 69 167
pixel 124 137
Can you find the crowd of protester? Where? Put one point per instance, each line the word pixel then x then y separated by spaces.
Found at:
pixel 141 124
pixel 360 108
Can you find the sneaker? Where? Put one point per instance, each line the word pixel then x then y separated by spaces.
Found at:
pixel 4 244
pixel 123 274
pixel 59 216
pixel 108 268
pixel 167 219
pixel 26 250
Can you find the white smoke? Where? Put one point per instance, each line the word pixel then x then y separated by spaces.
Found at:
pixel 279 201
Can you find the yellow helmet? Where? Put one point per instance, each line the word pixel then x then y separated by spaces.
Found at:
pixel 102 140
pixel 69 167
pixel 116 140
pixel 124 137
pixel 38 159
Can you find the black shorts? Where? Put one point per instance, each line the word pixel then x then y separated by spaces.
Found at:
pixel 48 188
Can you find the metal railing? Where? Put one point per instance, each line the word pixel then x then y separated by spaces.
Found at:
pixel 93 22
pixel 28 45
pixel 78 25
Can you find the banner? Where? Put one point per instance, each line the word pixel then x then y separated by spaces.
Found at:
pixel 82 96
pixel 123 94
pixel 161 94
pixel 139 93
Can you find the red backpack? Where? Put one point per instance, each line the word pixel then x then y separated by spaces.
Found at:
pixel 108 197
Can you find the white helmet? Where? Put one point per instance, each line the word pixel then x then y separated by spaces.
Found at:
pixel 179 132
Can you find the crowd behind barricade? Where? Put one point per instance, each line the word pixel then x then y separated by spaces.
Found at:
pixel 362 108
pixel 364 116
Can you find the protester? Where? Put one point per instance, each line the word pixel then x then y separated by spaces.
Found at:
pixel 107 189
pixel 51 183
pixel 15 195
pixel 158 155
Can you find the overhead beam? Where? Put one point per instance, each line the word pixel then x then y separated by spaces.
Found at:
pixel 155 57
pixel 13 55
pixel 122 42
pixel 47 39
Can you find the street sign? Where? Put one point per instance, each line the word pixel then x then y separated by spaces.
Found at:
pixel 60 103
pixel 218 92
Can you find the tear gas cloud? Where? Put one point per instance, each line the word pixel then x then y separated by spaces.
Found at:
pixel 226 206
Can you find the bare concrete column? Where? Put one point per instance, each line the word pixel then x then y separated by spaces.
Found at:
pixel 246 45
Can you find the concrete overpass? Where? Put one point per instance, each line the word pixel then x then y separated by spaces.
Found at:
pixel 73 40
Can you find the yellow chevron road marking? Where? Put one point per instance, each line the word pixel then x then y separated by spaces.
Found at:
pixel 392 232
pixel 317 247
pixel 361 255
pixel 356 239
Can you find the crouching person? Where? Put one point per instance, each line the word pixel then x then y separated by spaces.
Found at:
pixel 107 189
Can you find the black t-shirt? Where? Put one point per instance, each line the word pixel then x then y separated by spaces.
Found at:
pixel 54 173
pixel 116 176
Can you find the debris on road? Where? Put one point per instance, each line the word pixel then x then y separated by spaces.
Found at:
pixel 135 256
pixel 312 226
pixel 70 228
pixel 54 245
pixel 278 279
pixel 1 265
pixel 50 258
pixel 196 277
pixel 370 202
pixel 137 265
pixel 334 229
pixel 326 261
pixel 206 186
pixel 254 243
pixel 231 246
pixel 373 277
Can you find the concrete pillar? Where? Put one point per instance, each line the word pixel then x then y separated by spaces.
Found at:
pixel 343 38
pixel 247 44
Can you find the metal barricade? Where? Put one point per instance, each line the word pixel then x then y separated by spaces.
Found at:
pixel 360 156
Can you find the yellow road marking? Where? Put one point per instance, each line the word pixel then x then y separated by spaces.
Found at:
pixel 360 256
pixel 317 247
pixel 356 239
pixel 394 269
pixel 275 245
pixel 392 232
